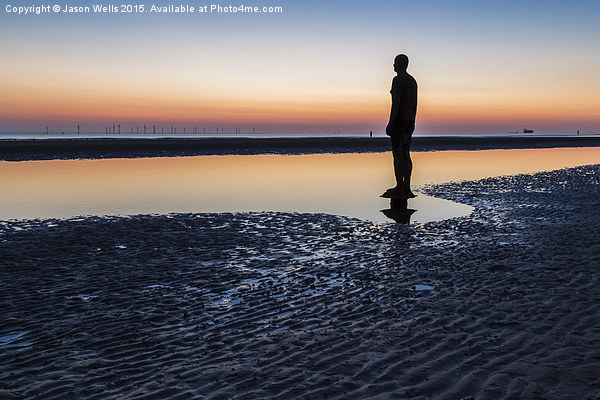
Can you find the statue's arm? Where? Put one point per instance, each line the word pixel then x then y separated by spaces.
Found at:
pixel 395 108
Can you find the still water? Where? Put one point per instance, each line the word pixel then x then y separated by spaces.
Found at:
pixel 341 184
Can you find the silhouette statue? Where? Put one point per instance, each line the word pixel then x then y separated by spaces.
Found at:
pixel 401 127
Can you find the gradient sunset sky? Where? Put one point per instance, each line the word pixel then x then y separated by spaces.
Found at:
pixel 320 66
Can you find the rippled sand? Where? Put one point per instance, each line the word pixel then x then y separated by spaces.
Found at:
pixel 501 304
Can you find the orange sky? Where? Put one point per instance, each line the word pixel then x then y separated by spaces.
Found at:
pixel 480 69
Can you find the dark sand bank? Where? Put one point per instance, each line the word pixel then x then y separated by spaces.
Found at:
pixel 46 149
pixel 503 304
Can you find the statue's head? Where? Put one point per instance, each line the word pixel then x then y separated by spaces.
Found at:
pixel 400 63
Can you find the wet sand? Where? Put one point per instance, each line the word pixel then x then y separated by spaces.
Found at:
pixel 503 304
pixel 48 149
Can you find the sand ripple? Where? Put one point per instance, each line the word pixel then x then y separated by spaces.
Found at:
pixel 503 304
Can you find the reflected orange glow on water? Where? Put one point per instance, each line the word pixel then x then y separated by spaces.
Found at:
pixel 343 184
pixel 445 166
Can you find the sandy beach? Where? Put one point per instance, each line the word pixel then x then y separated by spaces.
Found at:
pixel 502 304
pixel 48 149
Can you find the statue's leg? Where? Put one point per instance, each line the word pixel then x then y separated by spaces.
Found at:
pixel 406 170
pixel 398 154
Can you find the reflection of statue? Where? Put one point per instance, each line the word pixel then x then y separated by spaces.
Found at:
pixel 401 126
pixel 399 211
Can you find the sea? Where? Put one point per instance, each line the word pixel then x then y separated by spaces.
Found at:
pixel 344 184
pixel 212 135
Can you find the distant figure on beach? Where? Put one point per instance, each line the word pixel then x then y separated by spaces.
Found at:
pixel 401 126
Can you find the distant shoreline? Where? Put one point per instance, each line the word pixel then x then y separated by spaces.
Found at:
pixel 50 149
